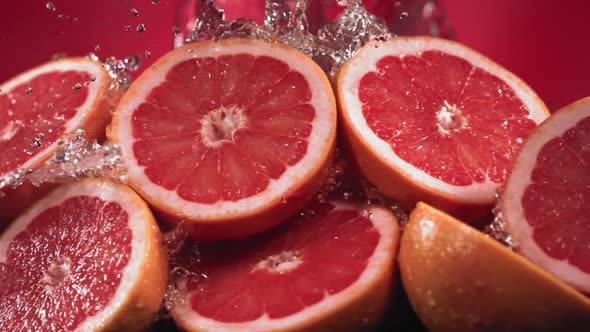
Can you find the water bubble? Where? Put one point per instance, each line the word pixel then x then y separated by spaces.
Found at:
pixel 127 28
pixel 93 77
pixel 97 48
pixel 134 12
pixel 77 86
pixel 29 90
pixel 37 141
pixel 140 27
pixel 50 6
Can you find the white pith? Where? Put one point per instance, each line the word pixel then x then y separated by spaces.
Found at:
pixel 381 260
pixel 89 66
pixel 365 61
pixel 319 140
pixel 136 222
pixel 520 179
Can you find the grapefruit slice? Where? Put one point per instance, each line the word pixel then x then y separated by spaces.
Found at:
pixel 429 119
pixel 546 202
pixel 231 136
pixel 458 279
pixel 330 269
pixel 38 107
pixel 87 257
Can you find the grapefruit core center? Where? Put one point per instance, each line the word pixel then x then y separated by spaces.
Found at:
pixel 220 125
pixel 57 272
pixel 450 119
pixel 285 261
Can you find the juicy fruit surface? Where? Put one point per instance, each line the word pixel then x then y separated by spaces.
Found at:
pixel 65 266
pixel 438 107
pixel 556 203
pixel 283 271
pixel 41 106
pixel 221 129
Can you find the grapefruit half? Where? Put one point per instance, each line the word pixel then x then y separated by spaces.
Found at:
pixel 330 269
pixel 432 120
pixel 231 136
pixel 459 279
pixel 39 106
pixel 546 202
pixel 86 257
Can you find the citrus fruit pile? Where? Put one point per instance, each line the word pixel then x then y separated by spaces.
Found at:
pixel 233 143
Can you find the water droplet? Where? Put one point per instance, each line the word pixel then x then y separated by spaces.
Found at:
pixel 77 86
pixel 140 27
pixel 50 6
pixel 127 28
pixel 37 141
pixel 50 105
pixel 93 78
pixel 134 12
pixel 97 48
pixel 176 30
pixel 148 54
pixel 61 17
pixel 29 90
pixel 403 15
pixel 155 1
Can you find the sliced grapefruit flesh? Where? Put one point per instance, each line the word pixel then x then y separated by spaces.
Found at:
pixel 429 119
pixel 230 136
pixel 329 269
pixel 87 257
pixel 546 202
pixel 42 104
pixel 459 279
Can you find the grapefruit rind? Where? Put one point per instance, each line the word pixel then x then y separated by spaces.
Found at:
pixel 138 298
pixel 458 279
pixel 364 139
pixel 299 181
pixel 361 304
pixel 520 178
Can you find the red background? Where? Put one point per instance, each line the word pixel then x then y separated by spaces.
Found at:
pixel 547 43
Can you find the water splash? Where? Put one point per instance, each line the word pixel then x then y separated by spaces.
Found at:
pixel 497 229
pixel 286 23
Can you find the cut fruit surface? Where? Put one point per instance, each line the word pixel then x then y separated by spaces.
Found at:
pixel 87 257
pixel 39 106
pixel 429 119
pixel 232 136
pixel 329 269
pixel 459 279
pixel 546 202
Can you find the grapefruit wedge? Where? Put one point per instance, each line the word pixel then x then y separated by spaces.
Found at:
pixel 38 107
pixel 86 257
pixel 429 119
pixel 330 269
pixel 231 136
pixel 546 202
pixel 459 279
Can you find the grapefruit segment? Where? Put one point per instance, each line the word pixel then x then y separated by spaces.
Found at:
pixel 458 279
pixel 87 257
pixel 330 268
pixel 38 107
pixel 230 136
pixel 429 119
pixel 546 201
